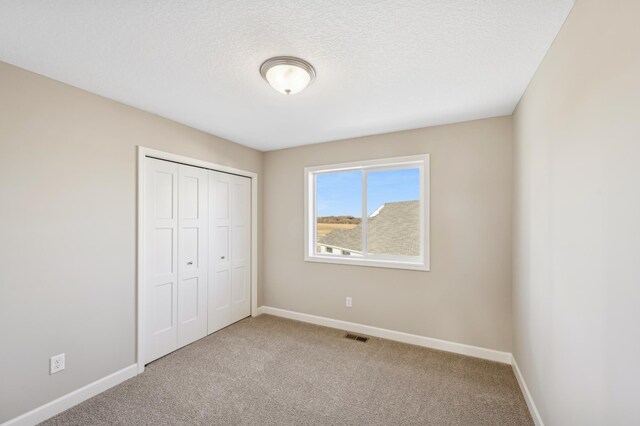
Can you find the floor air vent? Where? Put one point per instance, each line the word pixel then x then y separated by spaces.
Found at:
pixel 356 337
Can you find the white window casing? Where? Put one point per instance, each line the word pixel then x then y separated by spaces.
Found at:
pixel 363 258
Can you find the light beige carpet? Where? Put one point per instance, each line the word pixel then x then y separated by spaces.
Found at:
pixel 269 370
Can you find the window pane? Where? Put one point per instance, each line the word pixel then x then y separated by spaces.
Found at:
pixel 339 213
pixel 393 212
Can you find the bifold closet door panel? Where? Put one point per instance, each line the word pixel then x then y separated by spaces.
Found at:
pixel 161 246
pixel 229 249
pixel 241 248
pixel 193 196
pixel 219 250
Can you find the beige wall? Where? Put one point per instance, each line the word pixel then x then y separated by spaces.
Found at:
pixel 577 247
pixel 466 297
pixel 67 234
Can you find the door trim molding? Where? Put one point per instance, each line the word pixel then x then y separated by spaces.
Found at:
pixel 144 152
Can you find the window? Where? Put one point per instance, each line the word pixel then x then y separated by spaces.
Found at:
pixel 372 213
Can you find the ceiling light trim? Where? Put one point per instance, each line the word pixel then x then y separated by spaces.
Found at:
pixel 287 60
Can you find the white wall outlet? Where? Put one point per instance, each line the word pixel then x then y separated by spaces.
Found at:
pixel 56 363
pixel 349 302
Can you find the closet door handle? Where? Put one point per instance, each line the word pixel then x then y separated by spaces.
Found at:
pixel 222 257
pixel 190 263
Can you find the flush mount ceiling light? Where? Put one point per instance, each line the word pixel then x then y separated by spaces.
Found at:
pixel 287 74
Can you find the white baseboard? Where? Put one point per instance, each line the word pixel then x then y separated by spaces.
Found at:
pixel 67 401
pixel 527 395
pixel 413 339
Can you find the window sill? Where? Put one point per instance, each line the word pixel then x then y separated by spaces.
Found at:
pixel 375 263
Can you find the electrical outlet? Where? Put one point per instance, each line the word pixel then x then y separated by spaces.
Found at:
pixel 349 302
pixel 56 363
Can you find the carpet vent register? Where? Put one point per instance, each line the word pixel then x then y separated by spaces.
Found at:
pixel 356 337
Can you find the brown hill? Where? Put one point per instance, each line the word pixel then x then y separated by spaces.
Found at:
pixel 340 219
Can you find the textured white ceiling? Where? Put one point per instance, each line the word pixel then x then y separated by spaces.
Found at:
pixel 382 65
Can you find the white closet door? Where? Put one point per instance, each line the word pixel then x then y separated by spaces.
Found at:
pixel 229 249
pixel 161 223
pixel 192 253
pixel 219 242
pixel 241 248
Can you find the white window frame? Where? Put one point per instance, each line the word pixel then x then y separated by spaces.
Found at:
pixel 420 263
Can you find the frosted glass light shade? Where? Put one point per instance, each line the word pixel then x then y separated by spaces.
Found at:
pixel 287 75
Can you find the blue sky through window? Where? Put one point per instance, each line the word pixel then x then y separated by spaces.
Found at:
pixel 340 194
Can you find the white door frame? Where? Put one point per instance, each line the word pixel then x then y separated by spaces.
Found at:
pixel 148 152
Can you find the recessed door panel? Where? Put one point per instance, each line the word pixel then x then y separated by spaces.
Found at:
pixel 221 198
pixel 188 303
pixel 221 296
pixel 241 200
pixel 220 301
pixel 239 292
pixel 163 186
pixel 164 256
pixel 240 243
pixel 162 313
pixel 189 197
